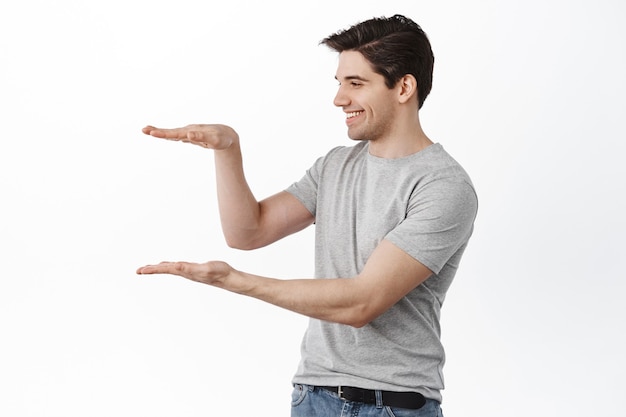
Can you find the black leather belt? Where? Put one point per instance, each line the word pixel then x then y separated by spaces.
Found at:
pixel 410 400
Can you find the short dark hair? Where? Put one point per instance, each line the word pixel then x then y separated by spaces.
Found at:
pixel 394 46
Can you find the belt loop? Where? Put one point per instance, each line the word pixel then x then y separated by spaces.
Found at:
pixel 379 398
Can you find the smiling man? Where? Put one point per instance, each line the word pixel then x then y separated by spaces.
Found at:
pixel 393 214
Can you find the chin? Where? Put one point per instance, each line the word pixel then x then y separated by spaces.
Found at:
pixel 356 136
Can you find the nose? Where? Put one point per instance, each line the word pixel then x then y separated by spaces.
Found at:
pixel 341 99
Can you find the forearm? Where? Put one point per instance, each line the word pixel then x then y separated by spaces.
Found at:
pixel 388 275
pixel 239 210
pixel 338 300
pixel 246 222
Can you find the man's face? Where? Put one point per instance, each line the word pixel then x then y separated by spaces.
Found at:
pixel 370 106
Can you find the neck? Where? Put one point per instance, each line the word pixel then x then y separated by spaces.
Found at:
pixel 403 140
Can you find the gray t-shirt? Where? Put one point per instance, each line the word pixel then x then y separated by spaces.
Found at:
pixel 425 204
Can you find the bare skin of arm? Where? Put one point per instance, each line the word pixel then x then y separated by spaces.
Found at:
pixel 246 223
pixel 388 275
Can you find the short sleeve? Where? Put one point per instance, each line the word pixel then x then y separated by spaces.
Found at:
pixel 439 221
pixel 305 190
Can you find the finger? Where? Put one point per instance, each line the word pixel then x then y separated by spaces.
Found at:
pixel 146 130
pixel 171 134
pixel 173 268
pixel 154 131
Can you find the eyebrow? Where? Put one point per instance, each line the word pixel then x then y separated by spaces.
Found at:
pixel 353 77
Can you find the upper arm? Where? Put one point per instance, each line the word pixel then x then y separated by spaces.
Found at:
pixel 433 231
pixel 279 215
pixel 389 274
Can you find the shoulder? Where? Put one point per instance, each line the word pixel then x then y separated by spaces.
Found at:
pixel 442 168
pixel 340 157
pixel 443 184
pixel 347 152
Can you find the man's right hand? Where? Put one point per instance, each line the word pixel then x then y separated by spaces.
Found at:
pixel 217 137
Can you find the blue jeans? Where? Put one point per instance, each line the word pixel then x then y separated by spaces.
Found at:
pixel 308 401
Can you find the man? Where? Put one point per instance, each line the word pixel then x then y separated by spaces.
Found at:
pixel 393 215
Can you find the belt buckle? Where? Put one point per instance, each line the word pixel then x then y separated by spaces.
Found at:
pixel 340 393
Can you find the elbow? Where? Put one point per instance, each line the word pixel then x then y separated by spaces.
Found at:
pixel 358 324
pixel 359 316
pixel 240 244
pixel 246 242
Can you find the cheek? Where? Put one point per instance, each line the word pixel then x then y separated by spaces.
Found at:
pixel 380 111
pixel 380 103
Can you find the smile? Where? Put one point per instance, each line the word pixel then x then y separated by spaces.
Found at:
pixel 353 114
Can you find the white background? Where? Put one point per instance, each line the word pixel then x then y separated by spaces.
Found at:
pixel 528 96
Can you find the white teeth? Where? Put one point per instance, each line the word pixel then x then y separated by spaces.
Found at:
pixel 353 114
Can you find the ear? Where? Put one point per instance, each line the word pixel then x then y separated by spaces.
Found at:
pixel 407 88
